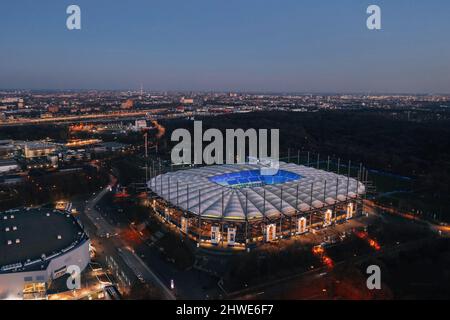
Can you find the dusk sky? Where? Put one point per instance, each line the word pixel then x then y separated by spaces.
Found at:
pixel 229 45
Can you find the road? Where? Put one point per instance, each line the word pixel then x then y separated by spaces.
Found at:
pixel 281 287
pixel 142 270
pixel 104 228
pixel 77 118
pixel 443 230
pixel 113 242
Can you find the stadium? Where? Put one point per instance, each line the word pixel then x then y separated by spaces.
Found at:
pixel 243 205
pixel 37 246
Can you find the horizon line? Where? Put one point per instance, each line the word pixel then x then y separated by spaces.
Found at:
pixel 241 91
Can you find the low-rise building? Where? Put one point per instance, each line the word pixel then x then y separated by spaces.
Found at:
pixel 8 166
pixel 38 149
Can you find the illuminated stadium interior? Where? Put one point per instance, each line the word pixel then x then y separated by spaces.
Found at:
pixel 248 178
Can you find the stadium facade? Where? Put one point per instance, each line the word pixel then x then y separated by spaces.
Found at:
pixel 242 205
pixel 38 246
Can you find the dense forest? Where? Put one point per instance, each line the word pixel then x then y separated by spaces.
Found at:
pixel 417 148
pixel 404 147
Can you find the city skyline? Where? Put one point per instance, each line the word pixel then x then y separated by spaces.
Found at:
pixel 244 47
pixel 224 156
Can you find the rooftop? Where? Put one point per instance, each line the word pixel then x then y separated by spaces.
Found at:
pixel 39 145
pixel 240 191
pixel 7 162
pixel 28 234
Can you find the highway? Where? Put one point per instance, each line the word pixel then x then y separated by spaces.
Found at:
pixel 69 119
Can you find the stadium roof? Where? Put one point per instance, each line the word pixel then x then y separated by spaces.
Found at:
pixel 220 191
pixel 27 234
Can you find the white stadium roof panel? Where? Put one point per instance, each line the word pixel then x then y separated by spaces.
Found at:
pixel 233 192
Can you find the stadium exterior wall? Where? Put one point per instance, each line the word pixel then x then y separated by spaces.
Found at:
pixel 12 284
pixel 246 232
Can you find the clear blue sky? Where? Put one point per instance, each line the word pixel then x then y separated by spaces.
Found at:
pixel 246 45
